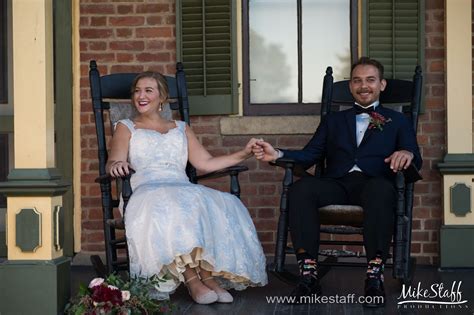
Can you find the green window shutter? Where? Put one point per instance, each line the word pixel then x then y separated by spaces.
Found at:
pixel 206 44
pixel 394 34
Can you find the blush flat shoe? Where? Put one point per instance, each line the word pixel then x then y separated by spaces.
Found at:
pixel 222 297
pixel 206 298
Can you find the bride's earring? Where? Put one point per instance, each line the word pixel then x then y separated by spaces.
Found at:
pixel 161 107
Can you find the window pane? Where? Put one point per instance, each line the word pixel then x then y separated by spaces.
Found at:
pixel 326 42
pixel 273 51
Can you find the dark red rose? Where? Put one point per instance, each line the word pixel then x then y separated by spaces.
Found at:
pixel 103 293
pixel 377 121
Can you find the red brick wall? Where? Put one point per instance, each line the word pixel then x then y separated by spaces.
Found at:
pixel 136 36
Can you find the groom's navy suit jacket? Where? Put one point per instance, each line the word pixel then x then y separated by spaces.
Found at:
pixel 335 140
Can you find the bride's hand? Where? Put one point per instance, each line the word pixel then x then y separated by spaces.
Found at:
pixel 250 145
pixel 119 168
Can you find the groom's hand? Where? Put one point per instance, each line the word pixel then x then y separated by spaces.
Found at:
pixel 264 151
pixel 399 160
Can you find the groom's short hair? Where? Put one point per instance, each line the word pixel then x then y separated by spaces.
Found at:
pixel 369 62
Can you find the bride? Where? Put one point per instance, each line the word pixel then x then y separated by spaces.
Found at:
pixel 191 233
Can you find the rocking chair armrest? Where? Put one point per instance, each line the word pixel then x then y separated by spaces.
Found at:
pixel 411 174
pixel 404 181
pixel 291 165
pixel 105 180
pixel 232 170
pixel 108 177
pixel 281 162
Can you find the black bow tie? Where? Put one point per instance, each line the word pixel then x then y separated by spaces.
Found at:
pixel 361 110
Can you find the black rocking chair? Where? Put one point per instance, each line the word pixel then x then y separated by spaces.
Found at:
pixel 405 96
pixel 108 94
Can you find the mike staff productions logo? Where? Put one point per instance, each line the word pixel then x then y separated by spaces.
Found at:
pixel 437 295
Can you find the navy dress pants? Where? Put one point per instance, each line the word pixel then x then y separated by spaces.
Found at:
pixel 376 195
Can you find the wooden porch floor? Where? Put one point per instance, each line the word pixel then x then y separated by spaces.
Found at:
pixel 339 281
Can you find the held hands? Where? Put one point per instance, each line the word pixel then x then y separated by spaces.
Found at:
pixel 248 150
pixel 264 151
pixel 119 169
pixel 399 160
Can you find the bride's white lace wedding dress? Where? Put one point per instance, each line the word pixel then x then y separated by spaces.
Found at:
pixel 171 223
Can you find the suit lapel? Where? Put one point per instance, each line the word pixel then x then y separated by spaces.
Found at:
pixel 367 134
pixel 351 124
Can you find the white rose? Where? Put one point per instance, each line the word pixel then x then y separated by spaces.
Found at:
pixel 112 287
pixel 95 282
pixel 125 296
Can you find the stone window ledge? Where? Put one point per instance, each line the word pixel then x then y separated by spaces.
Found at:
pixel 269 125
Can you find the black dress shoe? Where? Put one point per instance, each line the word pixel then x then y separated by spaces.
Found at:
pixel 306 287
pixel 374 292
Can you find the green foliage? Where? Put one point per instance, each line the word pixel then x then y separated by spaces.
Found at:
pixel 135 293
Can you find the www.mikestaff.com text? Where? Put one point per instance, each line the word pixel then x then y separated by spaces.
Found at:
pixel 329 299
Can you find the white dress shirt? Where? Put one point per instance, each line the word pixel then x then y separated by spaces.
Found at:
pixel 362 123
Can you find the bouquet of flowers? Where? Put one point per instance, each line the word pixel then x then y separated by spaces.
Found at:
pixel 115 296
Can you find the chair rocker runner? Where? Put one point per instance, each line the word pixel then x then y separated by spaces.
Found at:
pixel 105 91
pixel 348 219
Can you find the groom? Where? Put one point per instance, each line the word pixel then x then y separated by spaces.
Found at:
pixel 364 147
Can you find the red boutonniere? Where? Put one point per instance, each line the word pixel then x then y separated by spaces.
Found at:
pixel 377 121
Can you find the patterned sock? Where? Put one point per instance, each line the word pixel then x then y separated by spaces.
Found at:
pixel 308 266
pixel 375 268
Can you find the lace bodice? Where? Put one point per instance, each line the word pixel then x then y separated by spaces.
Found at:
pixel 157 157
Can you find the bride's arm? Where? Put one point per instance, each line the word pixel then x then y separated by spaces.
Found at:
pixel 117 164
pixel 203 161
